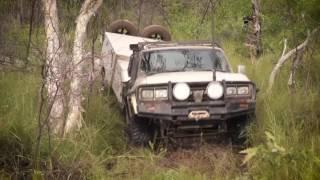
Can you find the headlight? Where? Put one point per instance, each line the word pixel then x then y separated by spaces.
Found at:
pixel 181 91
pixel 215 90
pixel 231 90
pixel 150 94
pixel 147 94
pixel 238 90
pixel 161 93
pixel 243 90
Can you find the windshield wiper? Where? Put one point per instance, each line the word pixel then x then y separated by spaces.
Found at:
pixel 184 70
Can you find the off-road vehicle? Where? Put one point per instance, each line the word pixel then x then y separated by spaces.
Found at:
pixel 171 90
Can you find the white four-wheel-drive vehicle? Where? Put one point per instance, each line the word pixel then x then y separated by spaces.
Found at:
pixel 171 90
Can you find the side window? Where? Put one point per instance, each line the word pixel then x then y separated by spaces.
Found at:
pixel 222 61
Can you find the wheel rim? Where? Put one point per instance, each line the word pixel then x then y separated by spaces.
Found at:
pixel 122 31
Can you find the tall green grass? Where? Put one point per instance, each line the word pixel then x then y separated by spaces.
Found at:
pixel 100 138
pixel 285 136
pixel 18 107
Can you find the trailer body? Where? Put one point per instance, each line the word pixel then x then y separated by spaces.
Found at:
pixel 115 59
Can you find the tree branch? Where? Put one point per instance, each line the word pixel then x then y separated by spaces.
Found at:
pixel 284 57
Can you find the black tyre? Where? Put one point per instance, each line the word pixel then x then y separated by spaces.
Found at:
pixel 139 131
pixel 123 26
pixel 156 32
pixel 238 130
pixel 138 134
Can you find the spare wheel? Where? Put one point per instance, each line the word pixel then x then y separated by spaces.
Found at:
pixel 156 32
pixel 123 26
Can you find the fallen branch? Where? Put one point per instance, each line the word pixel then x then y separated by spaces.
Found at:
pixel 297 60
pixel 285 56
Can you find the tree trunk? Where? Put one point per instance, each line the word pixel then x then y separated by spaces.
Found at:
pixel 257 27
pixel 54 79
pixel 295 63
pixel 140 4
pixel 74 119
pixel 254 35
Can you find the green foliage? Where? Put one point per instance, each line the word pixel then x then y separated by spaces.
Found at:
pixel 18 121
pixel 285 137
pixel 289 148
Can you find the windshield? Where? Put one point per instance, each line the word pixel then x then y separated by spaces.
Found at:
pixel 183 60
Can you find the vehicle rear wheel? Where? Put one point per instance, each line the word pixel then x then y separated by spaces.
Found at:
pixel 123 26
pixel 156 32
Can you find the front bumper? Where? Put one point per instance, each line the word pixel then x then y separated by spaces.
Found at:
pixel 179 111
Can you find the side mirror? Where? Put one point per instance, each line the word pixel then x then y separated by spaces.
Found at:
pixel 241 69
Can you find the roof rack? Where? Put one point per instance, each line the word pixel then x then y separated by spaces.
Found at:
pixel 150 45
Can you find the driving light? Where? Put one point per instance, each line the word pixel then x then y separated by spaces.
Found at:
pixel 243 90
pixel 147 94
pixel 215 90
pixel 161 93
pixel 231 90
pixel 181 91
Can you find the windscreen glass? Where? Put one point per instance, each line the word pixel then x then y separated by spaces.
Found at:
pixel 183 60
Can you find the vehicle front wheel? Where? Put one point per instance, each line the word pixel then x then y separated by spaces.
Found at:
pixel 238 130
pixel 139 132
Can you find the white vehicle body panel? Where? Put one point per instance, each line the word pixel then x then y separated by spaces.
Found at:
pixel 191 76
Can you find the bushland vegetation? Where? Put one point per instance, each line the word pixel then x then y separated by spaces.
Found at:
pixel 284 139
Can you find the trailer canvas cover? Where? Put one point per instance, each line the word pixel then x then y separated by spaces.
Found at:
pixel 115 59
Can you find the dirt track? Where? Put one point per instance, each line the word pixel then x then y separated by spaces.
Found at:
pixel 210 159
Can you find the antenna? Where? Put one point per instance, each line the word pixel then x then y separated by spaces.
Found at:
pixel 214 76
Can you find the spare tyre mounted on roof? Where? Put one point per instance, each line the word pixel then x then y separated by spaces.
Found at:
pixel 156 32
pixel 123 26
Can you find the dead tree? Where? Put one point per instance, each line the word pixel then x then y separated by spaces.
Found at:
pixel 140 7
pixel 254 34
pixel 285 56
pixel 54 63
pixel 74 119
pixel 33 5
pixel 295 63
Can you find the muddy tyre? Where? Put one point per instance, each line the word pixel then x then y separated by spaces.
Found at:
pixel 123 26
pixel 156 32
pixel 138 133
pixel 238 131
